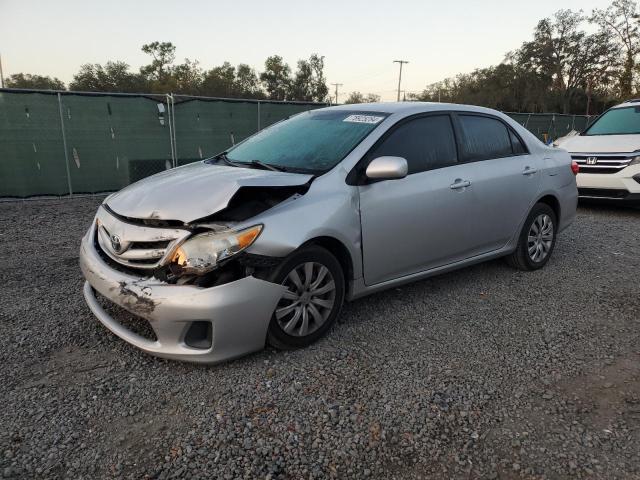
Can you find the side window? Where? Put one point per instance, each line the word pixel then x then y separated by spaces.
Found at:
pixel 516 144
pixel 485 138
pixel 426 143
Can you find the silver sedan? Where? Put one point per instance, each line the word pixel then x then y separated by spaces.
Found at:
pixel 264 242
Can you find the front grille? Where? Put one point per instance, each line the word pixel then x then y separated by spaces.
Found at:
pixel 128 320
pixel 134 245
pixel 602 163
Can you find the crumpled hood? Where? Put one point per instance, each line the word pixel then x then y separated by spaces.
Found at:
pixel 194 191
pixel 600 143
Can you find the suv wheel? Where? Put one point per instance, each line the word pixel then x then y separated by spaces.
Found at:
pixel 537 239
pixel 315 292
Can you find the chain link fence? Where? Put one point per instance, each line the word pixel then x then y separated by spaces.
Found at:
pixel 550 126
pixel 61 143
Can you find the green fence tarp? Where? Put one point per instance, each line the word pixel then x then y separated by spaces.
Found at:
pixel 113 141
pixel 31 151
pixel 205 128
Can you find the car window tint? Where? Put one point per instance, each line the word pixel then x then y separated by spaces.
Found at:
pixel 516 144
pixel 426 143
pixel 485 137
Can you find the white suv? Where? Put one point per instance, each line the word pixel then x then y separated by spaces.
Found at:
pixel 608 153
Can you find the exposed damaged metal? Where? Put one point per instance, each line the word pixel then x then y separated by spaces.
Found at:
pixel 136 298
pixel 248 202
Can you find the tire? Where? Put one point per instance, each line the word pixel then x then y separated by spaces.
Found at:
pixel 287 328
pixel 538 219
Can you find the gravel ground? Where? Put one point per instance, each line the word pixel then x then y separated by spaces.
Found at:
pixel 482 373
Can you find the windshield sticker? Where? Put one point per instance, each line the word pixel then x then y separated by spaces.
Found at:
pixel 363 119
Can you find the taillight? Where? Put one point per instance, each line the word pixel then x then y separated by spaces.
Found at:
pixel 575 168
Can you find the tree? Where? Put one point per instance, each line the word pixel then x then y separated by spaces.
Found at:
pixel 163 54
pixel 187 77
pixel 27 80
pixel 357 97
pixel 112 77
pixel 320 91
pixel 276 78
pixel 567 55
pixel 302 85
pixel 621 20
pixel 220 81
pixel 309 83
pixel 247 84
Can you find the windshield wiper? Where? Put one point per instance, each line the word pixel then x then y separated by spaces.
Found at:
pixel 223 156
pixel 266 166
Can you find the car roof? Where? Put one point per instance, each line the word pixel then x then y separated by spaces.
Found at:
pixel 628 103
pixel 410 107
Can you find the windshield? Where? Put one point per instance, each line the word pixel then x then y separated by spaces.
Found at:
pixel 313 141
pixel 617 121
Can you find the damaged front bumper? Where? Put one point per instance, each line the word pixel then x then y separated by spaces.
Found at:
pixel 239 312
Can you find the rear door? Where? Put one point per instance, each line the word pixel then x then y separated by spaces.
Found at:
pixel 505 179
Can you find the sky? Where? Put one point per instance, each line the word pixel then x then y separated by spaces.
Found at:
pixel 359 39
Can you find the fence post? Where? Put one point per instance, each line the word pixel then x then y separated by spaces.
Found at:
pixel 258 115
pixel 173 120
pixel 64 144
pixel 173 158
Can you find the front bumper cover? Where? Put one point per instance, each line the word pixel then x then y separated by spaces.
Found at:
pixel 239 311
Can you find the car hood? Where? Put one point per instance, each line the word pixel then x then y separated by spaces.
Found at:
pixel 599 143
pixel 194 191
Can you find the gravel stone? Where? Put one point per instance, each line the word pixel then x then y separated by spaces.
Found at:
pixel 486 372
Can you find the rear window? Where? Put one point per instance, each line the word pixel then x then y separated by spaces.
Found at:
pixel 516 144
pixel 485 138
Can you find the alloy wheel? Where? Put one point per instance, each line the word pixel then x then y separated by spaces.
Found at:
pixel 540 238
pixel 308 300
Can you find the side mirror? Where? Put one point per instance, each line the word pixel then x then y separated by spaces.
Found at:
pixel 387 168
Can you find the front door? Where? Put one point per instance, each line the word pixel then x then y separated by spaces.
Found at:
pixel 423 220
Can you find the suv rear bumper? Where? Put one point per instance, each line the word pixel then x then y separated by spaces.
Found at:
pixel 239 312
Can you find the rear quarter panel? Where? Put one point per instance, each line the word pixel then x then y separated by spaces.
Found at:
pixel 559 181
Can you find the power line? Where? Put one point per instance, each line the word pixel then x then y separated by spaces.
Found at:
pixel 401 62
pixel 337 85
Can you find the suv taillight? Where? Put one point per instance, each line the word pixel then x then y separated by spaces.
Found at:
pixel 575 168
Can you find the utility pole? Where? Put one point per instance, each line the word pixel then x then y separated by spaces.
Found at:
pixel 337 85
pixel 1 74
pixel 401 62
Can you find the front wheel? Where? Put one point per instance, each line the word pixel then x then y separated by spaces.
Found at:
pixel 315 292
pixel 537 239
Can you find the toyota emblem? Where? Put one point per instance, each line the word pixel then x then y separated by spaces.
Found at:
pixel 116 244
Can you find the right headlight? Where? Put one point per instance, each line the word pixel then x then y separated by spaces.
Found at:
pixel 203 252
pixel 634 161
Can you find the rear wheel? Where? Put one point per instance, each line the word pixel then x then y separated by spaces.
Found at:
pixel 314 294
pixel 537 239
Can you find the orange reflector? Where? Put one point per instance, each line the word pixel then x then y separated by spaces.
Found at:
pixel 247 237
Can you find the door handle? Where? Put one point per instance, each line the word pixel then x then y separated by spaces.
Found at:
pixel 529 171
pixel 458 183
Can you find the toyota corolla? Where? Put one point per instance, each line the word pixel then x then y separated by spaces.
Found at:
pixel 263 243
